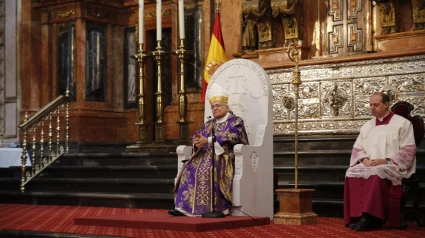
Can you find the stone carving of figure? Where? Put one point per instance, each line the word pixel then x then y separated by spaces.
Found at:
pixel 418 7
pixel 388 12
pixel 258 25
pixel 290 12
pixel 336 99
pixel 249 36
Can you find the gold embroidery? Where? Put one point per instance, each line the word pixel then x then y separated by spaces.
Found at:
pixel 203 189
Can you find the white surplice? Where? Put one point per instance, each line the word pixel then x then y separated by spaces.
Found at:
pixel 394 140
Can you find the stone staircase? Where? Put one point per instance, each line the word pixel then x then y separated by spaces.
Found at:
pixel 98 179
pixel 146 180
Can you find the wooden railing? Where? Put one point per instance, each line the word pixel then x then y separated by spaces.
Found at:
pixel 43 153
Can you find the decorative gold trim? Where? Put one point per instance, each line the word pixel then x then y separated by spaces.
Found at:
pixel 98 14
pixel 218 98
pixel 148 15
pixel 66 14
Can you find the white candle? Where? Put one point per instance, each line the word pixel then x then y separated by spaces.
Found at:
pixel 141 15
pixel 181 18
pixel 158 20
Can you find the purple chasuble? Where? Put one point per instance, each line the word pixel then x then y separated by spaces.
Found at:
pixel 193 187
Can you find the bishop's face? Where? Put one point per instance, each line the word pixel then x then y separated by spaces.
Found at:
pixel 378 108
pixel 219 109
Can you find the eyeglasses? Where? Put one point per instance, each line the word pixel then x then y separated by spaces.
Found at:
pixel 216 106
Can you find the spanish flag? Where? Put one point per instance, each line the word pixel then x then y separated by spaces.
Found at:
pixel 216 54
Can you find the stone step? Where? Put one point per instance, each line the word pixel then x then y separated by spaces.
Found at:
pixel 111 171
pixel 117 159
pixel 128 200
pixel 324 158
pixel 95 185
pixel 313 143
pixel 311 173
pixel 324 173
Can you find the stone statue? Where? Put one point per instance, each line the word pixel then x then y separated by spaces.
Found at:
pixel 257 25
pixel 389 15
pixel 418 8
pixel 250 34
pixel 291 15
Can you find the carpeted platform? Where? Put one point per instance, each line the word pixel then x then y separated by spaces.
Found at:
pixel 22 220
pixel 164 221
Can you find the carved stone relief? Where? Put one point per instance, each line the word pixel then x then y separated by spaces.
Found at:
pixel 388 15
pixel 336 39
pixel 336 10
pixel 334 98
pixel 418 7
pixel 408 83
pixel 346 26
pixel 258 27
pixel 354 6
pixel 290 13
pixel 355 37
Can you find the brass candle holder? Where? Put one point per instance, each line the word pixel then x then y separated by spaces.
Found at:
pixel 159 55
pixel 295 205
pixel 141 124
pixel 140 57
pixel 182 54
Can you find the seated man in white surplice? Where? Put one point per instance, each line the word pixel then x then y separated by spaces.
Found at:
pixel 383 154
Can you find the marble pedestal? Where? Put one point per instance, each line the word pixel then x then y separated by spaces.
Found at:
pixel 295 207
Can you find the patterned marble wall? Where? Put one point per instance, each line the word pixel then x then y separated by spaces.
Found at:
pixel 334 98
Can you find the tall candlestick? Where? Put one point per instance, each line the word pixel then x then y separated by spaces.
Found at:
pixel 181 18
pixel 158 20
pixel 141 15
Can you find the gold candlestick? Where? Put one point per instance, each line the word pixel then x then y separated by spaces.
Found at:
pixel 159 57
pixel 184 125
pixel 140 56
pixel 141 124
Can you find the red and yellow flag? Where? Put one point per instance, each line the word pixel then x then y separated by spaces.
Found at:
pixel 216 54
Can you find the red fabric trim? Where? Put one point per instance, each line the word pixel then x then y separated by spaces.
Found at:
pixel 217 30
pixel 386 120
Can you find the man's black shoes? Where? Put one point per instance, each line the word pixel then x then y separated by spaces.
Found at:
pixel 352 226
pixel 175 212
pixel 368 223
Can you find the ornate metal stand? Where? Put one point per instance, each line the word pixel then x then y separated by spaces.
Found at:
pixel 295 204
pixel 296 81
pixel 184 124
pixel 142 126
pixel 159 131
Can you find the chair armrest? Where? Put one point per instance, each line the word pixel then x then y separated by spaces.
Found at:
pixel 183 153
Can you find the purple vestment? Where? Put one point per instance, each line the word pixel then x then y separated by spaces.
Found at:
pixel 193 187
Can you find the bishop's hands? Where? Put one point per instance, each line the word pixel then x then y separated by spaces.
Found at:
pixel 200 141
pixel 369 163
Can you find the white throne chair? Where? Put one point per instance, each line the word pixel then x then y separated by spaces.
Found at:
pixel 250 97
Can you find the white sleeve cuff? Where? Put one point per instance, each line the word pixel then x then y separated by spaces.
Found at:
pixel 218 149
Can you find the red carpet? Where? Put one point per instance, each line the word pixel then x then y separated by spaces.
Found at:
pixel 60 219
pixel 164 221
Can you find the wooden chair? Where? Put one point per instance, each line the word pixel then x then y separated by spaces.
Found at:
pixel 412 184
